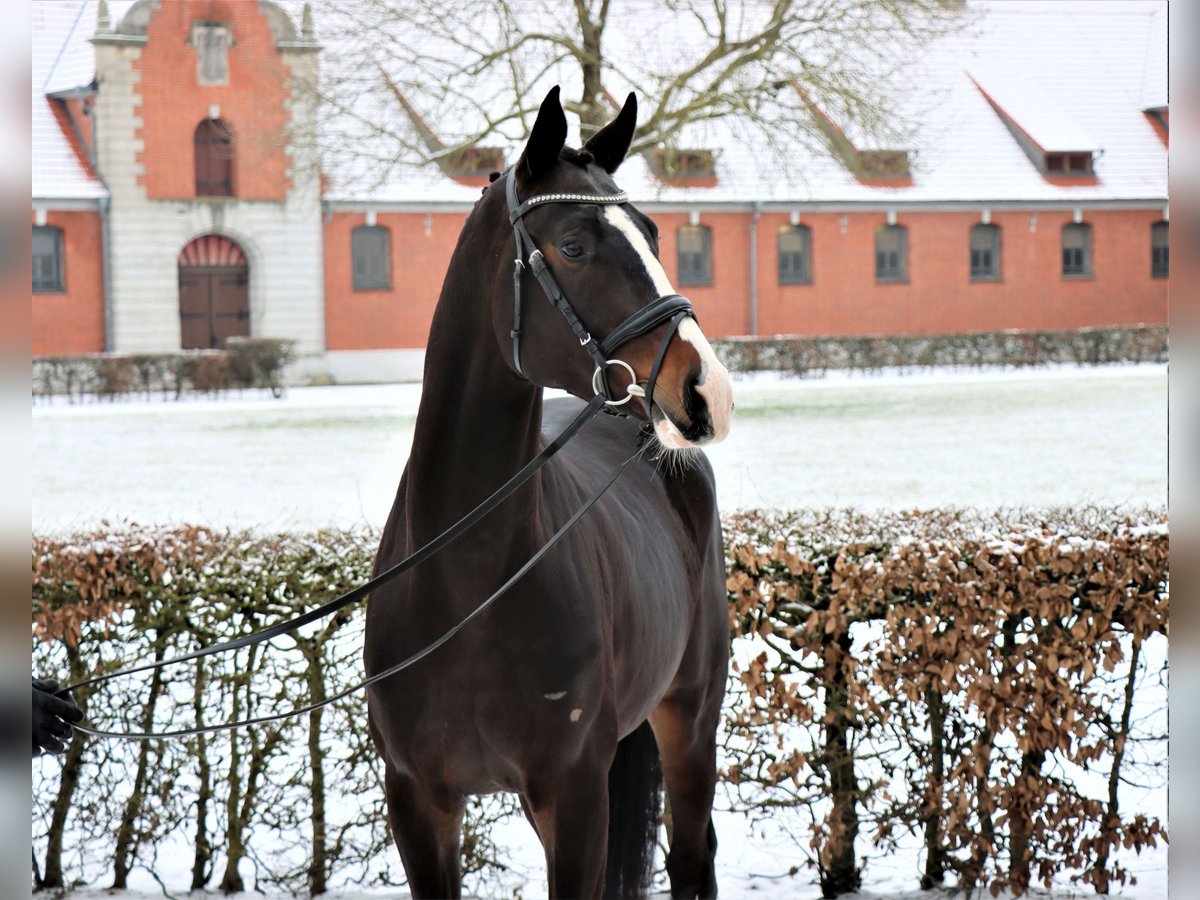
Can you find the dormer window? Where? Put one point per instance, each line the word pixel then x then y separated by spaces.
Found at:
pixel 684 168
pixel 881 164
pixel 1058 145
pixel 873 166
pixel 1069 164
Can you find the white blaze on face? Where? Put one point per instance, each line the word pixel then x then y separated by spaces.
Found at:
pixel 714 384
pixel 623 222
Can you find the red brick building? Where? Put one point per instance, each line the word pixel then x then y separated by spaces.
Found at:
pixel 177 199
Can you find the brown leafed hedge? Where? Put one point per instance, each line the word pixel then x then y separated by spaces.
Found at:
pixel 949 674
pixel 982 683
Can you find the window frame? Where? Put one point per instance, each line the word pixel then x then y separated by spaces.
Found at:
pixel 1086 265
pixel 995 273
pixel 59 285
pixel 687 276
pixel 805 275
pixel 900 276
pixel 1164 270
pixel 383 283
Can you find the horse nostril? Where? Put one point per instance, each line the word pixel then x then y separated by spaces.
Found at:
pixel 696 406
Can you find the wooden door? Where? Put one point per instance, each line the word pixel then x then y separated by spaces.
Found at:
pixel 214 305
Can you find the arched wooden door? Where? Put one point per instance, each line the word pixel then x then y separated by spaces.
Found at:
pixel 214 293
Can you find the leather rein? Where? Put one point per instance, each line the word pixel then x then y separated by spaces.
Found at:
pixel 669 308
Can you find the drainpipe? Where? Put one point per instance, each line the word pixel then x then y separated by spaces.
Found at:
pixel 106 274
pixel 754 268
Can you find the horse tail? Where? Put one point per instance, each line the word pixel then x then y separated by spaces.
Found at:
pixel 634 813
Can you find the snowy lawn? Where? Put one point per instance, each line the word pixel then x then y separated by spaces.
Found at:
pixel 326 456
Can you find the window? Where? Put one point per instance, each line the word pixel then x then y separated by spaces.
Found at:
pixel 695 255
pixel 985 252
pixel 214 159
pixel 1073 164
pixel 891 251
pixel 795 254
pixel 370 250
pixel 1160 248
pixel 47 259
pixel 1076 250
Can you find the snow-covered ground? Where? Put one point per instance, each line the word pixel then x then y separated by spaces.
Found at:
pixel 333 455
pixel 326 456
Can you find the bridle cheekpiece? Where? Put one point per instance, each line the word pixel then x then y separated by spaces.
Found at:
pixel 672 308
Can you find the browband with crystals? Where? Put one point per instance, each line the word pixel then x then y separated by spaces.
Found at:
pixel 538 199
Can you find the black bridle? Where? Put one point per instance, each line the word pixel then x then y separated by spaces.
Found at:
pixel 670 308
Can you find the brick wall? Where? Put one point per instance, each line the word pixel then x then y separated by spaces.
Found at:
pixel 173 103
pixel 398 317
pixel 843 298
pixel 939 297
pixel 73 321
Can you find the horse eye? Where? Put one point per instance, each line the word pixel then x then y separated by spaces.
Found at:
pixel 572 250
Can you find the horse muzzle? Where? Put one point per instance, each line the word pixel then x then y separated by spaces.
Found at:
pixel 698 409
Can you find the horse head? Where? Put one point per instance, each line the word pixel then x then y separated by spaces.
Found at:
pixel 602 253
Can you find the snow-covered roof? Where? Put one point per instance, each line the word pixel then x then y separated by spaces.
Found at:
pixel 57 172
pixel 1073 74
pixel 1155 78
pixel 1034 108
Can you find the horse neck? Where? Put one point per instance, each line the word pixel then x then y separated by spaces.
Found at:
pixel 478 423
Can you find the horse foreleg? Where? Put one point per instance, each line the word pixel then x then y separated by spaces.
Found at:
pixel 428 833
pixel 572 821
pixel 686 736
pixel 529 816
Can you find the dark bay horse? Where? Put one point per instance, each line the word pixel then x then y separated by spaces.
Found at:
pixel 611 654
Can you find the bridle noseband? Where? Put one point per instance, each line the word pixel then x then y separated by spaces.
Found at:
pixel 669 308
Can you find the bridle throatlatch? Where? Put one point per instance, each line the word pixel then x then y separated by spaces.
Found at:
pixel 669 308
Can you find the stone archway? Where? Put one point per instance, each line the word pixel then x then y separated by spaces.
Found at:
pixel 214 293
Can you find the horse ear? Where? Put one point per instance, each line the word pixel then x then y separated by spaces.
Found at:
pixel 610 144
pixel 546 140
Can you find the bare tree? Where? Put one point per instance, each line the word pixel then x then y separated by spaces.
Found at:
pixel 407 82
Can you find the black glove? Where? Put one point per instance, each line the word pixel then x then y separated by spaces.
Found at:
pixel 50 717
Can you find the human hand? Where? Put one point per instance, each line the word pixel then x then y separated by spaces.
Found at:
pixel 51 715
